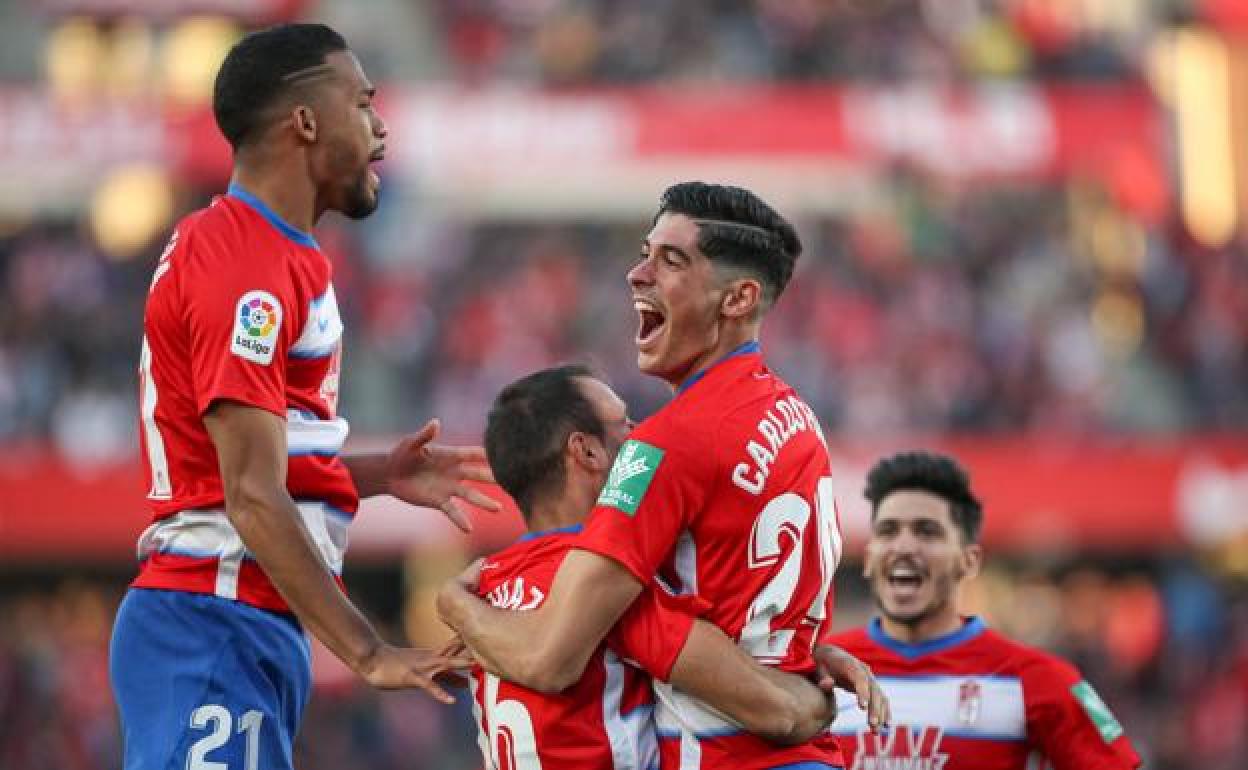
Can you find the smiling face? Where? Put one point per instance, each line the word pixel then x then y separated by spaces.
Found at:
pixel 915 559
pixel 678 297
pixel 351 137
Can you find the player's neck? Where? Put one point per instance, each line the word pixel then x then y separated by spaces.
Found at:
pixel 923 629
pixel 731 338
pixel 286 191
pixel 567 510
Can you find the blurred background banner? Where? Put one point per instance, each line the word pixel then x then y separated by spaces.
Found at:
pixel 603 152
pixel 1046 495
pixel 1026 245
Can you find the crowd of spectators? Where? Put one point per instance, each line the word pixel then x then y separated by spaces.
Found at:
pixel 937 306
pixel 943 307
pixel 1165 644
pixel 565 42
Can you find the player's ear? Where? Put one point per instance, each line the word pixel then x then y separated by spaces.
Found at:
pixel 971 560
pixel 867 561
pixel 304 120
pixel 742 298
pixel 588 451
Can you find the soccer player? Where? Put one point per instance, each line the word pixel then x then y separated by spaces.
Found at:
pixel 239 372
pixel 724 493
pixel 963 695
pixel 551 438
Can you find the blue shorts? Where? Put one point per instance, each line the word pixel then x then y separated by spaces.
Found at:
pixel 207 683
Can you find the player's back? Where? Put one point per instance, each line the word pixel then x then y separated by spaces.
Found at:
pixel 763 546
pixel 604 721
pixel 241 308
pixel 976 700
pixel 725 492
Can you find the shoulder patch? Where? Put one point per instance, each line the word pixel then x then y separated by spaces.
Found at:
pixel 257 321
pixel 1097 711
pixel 631 476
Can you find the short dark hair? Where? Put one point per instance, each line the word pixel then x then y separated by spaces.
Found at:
pixel 737 228
pixel 528 427
pixel 930 472
pixel 256 74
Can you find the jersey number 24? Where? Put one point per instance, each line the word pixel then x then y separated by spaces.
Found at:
pixel 787 517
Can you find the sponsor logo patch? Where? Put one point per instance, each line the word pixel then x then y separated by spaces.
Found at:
pixel 1097 711
pixel 901 747
pixel 257 322
pixel 631 476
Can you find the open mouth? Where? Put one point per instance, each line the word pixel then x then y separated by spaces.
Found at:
pixel 651 321
pixel 377 156
pixel 904 578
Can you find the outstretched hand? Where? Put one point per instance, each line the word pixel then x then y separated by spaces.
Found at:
pixel 421 472
pixel 394 668
pixel 837 668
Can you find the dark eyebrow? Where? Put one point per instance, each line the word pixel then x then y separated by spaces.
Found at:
pixel 668 247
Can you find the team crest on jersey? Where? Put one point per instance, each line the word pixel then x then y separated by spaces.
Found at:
pixel 970 697
pixel 257 321
pixel 1097 711
pixel 631 475
pixel 901 748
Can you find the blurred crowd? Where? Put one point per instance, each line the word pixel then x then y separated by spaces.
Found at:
pixel 1074 305
pixel 557 42
pixel 1165 645
pixel 974 308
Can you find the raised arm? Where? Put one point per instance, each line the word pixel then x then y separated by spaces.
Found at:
pixel 545 649
pixel 420 472
pixel 251 451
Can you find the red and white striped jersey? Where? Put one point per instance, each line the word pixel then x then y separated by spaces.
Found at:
pixel 725 493
pixel 976 700
pixel 604 721
pixel 241 308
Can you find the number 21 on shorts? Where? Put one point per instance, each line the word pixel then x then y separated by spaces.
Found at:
pixel 219 723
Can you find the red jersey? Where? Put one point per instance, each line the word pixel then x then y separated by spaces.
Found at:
pixel 605 720
pixel 241 307
pixel 725 493
pixel 975 700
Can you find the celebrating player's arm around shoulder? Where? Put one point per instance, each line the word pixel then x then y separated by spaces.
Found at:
pixel 724 493
pixel 238 385
pixel 551 438
pixel 964 697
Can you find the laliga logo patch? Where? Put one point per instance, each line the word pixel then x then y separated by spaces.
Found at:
pixel 257 322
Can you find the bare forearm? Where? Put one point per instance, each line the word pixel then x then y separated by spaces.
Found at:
pixel 368 471
pixel 270 528
pixel 545 649
pixel 812 710
pixel 782 708
pixel 508 644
